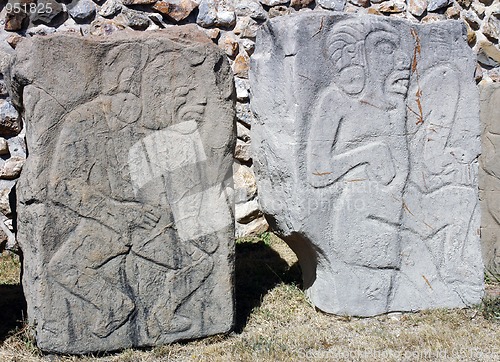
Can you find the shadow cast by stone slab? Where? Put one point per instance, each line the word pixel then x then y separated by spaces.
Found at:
pixel 12 309
pixel 259 269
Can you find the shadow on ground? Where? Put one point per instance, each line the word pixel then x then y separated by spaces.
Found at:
pixel 258 270
pixel 12 306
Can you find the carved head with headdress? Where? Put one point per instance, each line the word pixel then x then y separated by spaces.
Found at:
pixel 121 84
pixel 365 55
pixel 170 92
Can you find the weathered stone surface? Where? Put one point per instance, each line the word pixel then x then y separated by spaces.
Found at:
pixel 280 10
pixel 3 240
pixel 244 114
pixel 417 7
pixel 250 8
pixel 110 8
pixel 363 3
pixel 437 4
pixel 248 45
pixel 213 33
pixel 40 30
pixel 432 18
pixel 241 130
pixel 365 149
pixel 11 169
pixel 298 4
pixel 229 43
pixel 101 26
pixel 255 227
pixel 241 65
pixel 82 10
pixel 489 177
pixel 216 13
pixel 124 202
pixel 242 151
pixel 453 12
pixel 491 28
pixel 46 16
pixel 13 40
pixel 246 212
pixel 15 21
pixel 13 152
pixel 273 2
pixel 373 11
pixel 472 19
pixel 245 187
pixel 138 2
pixel 5 202
pixel 332 4
pixel 10 122
pixel 4 147
pixel 177 10
pixel 246 27
pixel 133 19
pixel 477 7
pixel 392 7
pixel 488 54
pixel 464 3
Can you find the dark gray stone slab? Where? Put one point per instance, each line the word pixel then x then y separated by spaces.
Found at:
pixel 125 210
pixel 489 177
pixel 366 150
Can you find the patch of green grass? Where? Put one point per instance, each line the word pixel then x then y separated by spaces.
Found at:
pixel 491 308
pixel 490 278
pixel 10 268
pixel 266 238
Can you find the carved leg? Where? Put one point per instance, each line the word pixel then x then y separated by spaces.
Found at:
pixel 81 275
pixel 180 285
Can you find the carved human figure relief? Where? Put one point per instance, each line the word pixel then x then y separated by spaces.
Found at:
pixel 443 167
pixel 379 146
pixel 133 265
pixel 355 142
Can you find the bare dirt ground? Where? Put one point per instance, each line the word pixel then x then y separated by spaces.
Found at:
pixel 275 322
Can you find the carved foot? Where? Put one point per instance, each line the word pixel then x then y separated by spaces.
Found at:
pixel 165 322
pixel 113 317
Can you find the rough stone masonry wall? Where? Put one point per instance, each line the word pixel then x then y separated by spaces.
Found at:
pixel 232 24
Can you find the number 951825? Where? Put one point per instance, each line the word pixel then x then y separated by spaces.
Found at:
pixel 30 8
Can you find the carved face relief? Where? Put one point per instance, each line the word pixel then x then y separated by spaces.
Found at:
pixel 347 56
pixel 158 91
pixel 352 79
pixel 388 67
pixel 190 104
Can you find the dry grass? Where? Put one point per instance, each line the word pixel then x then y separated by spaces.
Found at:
pixel 275 322
pixel 9 268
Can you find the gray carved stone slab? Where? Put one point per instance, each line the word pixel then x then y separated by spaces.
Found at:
pixel 125 211
pixel 489 177
pixel 366 152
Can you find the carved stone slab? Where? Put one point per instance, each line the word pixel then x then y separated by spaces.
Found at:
pixel 366 155
pixel 125 212
pixel 489 177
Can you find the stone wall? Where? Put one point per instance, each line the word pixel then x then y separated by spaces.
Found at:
pixel 232 24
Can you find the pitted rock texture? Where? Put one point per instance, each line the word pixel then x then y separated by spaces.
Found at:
pixel 365 151
pixel 489 177
pixel 125 203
